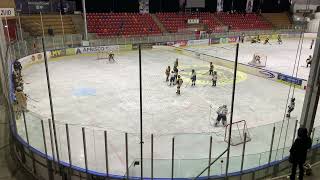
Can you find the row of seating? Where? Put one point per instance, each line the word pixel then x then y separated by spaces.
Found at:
pixel 121 24
pixel 113 24
pixel 175 21
pixel 243 21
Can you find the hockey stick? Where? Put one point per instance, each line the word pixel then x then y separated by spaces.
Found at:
pixel 31 98
pixel 187 84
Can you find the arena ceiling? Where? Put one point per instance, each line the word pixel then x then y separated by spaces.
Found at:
pixel 315 2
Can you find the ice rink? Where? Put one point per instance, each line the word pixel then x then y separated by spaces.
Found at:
pixel 280 57
pixel 100 95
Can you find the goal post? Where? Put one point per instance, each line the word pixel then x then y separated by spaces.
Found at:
pixel 104 51
pixel 238 131
pixel 259 60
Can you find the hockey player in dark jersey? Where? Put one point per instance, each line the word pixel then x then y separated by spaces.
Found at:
pixel 312 42
pixel 179 84
pixel 266 41
pixel 279 39
pixel 193 77
pixel 211 68
pixel 309 61
pixel 111 57
pixel 17 66
pixel 291 106
pixel 168 73
pixel 176 63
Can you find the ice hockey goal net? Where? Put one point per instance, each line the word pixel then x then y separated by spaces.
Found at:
pixel 238 131
pixel 258 60
pixel 102 55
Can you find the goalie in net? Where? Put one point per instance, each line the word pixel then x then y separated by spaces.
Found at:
pixel 239 133
pixel 259 60
pixel 105 55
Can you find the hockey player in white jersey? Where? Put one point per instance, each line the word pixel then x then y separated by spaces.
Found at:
pixel 291 106
pixel 222 115
pixel 172 78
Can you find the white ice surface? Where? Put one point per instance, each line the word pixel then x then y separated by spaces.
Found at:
pixel 280 58
pixel 101 96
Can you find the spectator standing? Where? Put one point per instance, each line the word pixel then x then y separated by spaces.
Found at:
pixel 298 153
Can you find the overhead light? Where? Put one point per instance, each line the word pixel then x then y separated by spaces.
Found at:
pixel 5 26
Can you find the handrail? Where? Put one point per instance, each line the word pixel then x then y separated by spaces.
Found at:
pixel 210 164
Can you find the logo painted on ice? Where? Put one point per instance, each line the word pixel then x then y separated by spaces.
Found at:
pixel 268 74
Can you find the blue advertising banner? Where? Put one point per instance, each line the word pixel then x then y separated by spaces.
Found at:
pixel 289 79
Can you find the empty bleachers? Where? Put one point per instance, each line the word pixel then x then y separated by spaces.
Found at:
pixel 237 22
pixel 32 24
pixel 121 24
pixel 175 21
pixel 279 20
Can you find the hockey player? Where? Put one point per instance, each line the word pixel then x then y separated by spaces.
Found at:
pixel 176 71
pixel 111 57
pixel 257 59
pixel 179 84
pixel 168 73
pixel 256 40
pixel 222 115
pixel 211 69
pixel 21 100
pixel 193 77
pixel 176 63
pixel 172 78
pixel 291 106
pixel 17 66
pixel 266 41
pixel 242 37
pixel 312 42
pixel 214 78
pixel 309 60
pixel 279 39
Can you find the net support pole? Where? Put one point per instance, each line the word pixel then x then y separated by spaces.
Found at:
pixel 271 144
pixel 52 143
pixel 49 165
pixel 7 28
pixel 141 120
pixel 311 100
pixel 42 25
pixel 151 156
pixel 28 142
pixel 85 20
pixel 127 156
pixel 294 132
pixel 50 100
pixel 106 152
pixel 172 159
pixel 85 149
pixel 243 153
pixel 20 29
pixel 69 147
pixel 232 106
pixel 62 27
pixel 210 153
